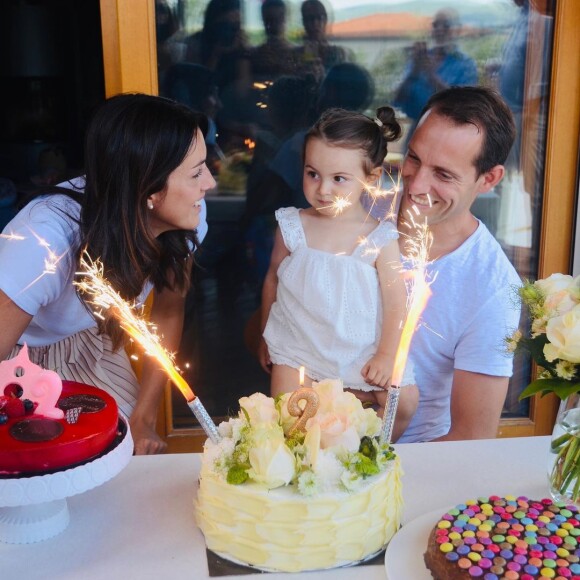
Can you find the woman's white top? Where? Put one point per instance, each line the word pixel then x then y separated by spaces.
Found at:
pixel 327 315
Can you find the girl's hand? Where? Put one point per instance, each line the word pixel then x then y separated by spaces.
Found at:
pixel 264 356
pixel 377 371
pixel 147 442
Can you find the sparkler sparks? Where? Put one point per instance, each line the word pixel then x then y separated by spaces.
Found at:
pixel 417 250
pixel 12 237
pixel 378 195
pixel 104 297
pixel 50 262
pixel 337 205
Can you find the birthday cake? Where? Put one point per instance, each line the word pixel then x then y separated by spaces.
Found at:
pixel 506 537
pixel 47 424
pixel 287 494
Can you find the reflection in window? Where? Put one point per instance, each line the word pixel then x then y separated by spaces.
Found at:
pixel 263 71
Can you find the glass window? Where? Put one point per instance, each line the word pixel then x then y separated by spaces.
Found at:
pixel 51 73
pixel 263 71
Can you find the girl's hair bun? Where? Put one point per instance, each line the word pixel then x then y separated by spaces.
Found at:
pixel 390 127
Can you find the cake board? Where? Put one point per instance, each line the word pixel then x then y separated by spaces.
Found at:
pixel 34 508
pixel 222 565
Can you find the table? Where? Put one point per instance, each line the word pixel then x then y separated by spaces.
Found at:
pixel 140 525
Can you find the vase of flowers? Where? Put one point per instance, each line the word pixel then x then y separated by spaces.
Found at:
pixel 554 344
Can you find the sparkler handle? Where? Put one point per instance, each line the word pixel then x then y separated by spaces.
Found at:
pixel 389 414
pixel 204 420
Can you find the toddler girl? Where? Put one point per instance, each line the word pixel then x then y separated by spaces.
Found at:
pixel 334 299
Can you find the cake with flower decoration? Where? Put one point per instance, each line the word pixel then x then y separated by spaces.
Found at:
pixel 47 424
pixel 506 537
pixel 287 494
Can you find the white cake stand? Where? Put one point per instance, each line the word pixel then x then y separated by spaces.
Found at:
pixel 34 508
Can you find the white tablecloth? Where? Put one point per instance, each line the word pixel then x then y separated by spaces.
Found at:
pixel 140 525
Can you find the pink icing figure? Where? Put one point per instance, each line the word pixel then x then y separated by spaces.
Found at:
pixel 39 385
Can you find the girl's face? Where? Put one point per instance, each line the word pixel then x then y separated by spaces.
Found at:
pixel 178 207
pixel 333 175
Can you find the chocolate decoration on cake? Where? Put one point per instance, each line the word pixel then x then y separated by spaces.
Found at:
pixel 88 403
pixel 34 430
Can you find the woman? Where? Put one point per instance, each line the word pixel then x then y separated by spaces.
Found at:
pixel 142 203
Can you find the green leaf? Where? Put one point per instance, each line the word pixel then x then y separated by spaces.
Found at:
pixel 367 448
pixel 364 466
pixel 560 387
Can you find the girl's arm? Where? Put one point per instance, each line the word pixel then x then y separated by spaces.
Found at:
pixel 269 290
pixel 167 314
pixel 379 368
pixel 13 322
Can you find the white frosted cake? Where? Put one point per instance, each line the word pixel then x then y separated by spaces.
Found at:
pixel 292 499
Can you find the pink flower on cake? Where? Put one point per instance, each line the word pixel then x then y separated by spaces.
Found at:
pixel 334 400
pixel 335 431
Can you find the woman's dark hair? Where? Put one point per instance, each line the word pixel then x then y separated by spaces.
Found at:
pixel 353 130
pixel 133 143
pixel 483 108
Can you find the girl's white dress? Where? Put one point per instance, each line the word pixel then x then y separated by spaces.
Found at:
pixel 327 314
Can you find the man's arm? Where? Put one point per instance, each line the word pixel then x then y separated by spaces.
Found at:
pixel 476 404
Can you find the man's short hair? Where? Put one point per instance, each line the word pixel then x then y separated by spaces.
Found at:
pixel 485 109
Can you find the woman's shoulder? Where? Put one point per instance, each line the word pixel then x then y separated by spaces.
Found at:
pixel 48 219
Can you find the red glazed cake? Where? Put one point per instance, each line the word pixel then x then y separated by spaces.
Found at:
pixel 32 443
pixel 508 538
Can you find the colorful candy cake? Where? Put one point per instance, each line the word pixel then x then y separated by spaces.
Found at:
pixel 290 495
pixel 47 424
pixel 506 538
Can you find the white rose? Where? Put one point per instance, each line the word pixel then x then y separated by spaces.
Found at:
pixel 272 463
pixel 563 332
pixel 335 431
pixel 260 409
pixel 562 293
pixel 554 283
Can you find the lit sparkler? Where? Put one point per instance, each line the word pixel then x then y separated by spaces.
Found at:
pixel 103 297
pixel 337 205
pixel 418 253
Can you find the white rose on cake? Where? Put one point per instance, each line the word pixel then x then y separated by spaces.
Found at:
pixel 259 409
pixel 272 463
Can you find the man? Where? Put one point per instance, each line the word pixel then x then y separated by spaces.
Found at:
pixel 457 152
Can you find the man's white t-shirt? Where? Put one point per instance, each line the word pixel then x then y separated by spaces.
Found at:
pixel 472 309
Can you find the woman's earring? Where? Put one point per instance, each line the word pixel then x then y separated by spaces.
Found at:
pixel 149 204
